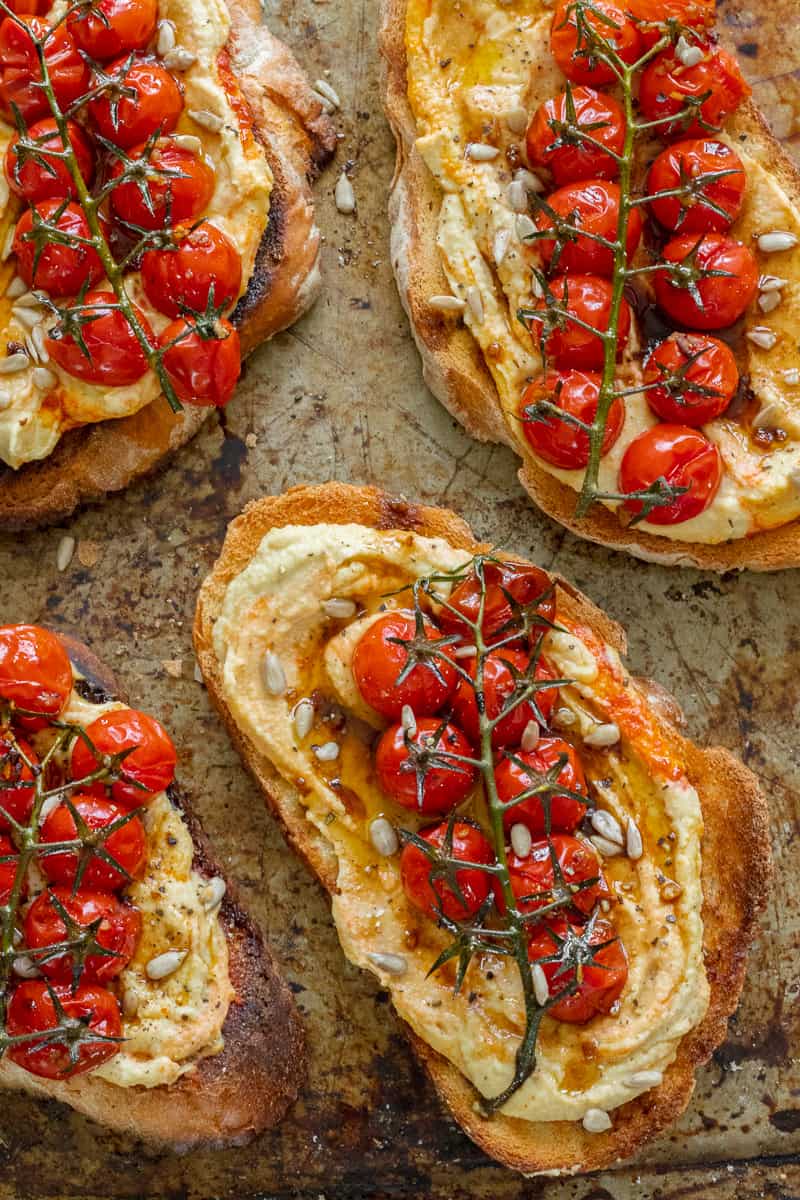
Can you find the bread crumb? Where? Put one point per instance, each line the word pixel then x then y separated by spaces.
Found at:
pixel 173 667
pixel 250 440
pixel 89 552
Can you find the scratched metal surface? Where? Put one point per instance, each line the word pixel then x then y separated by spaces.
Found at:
pixel 341 396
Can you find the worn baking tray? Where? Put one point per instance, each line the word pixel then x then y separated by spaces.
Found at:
pixel 341 396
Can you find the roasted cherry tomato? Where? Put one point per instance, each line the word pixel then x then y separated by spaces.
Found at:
pixel 560 442
pixel 61 269
pixel 420 776
pixel 115 356
pixel 691 167
pixel 592 956
pixel 179 184
pixel 590 211
pixel 682 456
pixel 690 296
pixel 586 298
pixel 35 671
pixel 8 869
pixel 20 74
pixel 469 844
pixel 204 262
pixel 576 38
pixel 203 370
pixel 578 878
pixel 126 845
pixel 128 120
pixel 379 661
pixel 16 798
pixel 118 931
pixel 697 378
pixel 704 94
pixel 29 7
pixel 32 1011
pixel 113 27
pixel 508 585
pixel 652 17
pixel 151 763
pixel 566 812
pixel 44 176
pixel 499 684
pixel 552 141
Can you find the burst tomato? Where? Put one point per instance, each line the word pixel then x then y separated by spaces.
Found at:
pixel 205 263
pixel 60 269
pixel 421 776
pixel 45 176
pixel 690 296
pixel 35 671
pixel 576 877
pixel 682 456
pixel 203 370
pixel 553 139
pixel 591 210
pixel 696 377
pixel 576 37
pixel 566 812
pixel 652 17
pixel 113 27
pixel 16 798
pixel 689 167
pixel 379 660
pixel 128 120
pixel 8 869
pixel 499 685
pixel 118 931
pixel 590 959
pixel 115 356
pixel 431 896
pixel 20 73
pixel 151 762
pixel 585 298
pixel 559 441
pixel 509 586
pixel 705 94
pixel 32 1011
pixel 126 845
pixel 179 186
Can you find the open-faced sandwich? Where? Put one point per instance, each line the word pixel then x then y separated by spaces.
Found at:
pixel 132 986
pixel 156 224
pixel 597 240
pixel 556 887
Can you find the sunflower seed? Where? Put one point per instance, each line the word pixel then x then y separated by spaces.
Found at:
pixel 517 119
pixel 762 337
pixel 383 837
pixel 447 304
pixel 331 95
pixel 28 300
pixel 521 840
pixel 607 826
pixel 44 378
pixel 38 339
pixel 524 226
pixel 481 152
pixel 209 120
pixel 564 717
pixel 339 608
pixel 517 196
pixel 327 752
pixel 603 736
pixel 465 652
pixel 166 38
pixel 771 283
pixel 776 241
pixel 17 287
pixel 596 1120
pixel 187 141
pixel 408 720
pixel 500 245
pixel 344 196
pixel 8 244
pixel 213 892
pixel 392 964
pixel 792 376
pixel 52 801
pixel 14 362
pixel 28 317
pixel 5 401
pixel 26 967
pixel 541 988
pixel 530 736
pixel 528 180
pixel 65 551
pixel 30 346
pixel 645 1079
pixel 769 301
pixel 475 303
pixel 605 847
pixel 181 59
pixel 633 840
pixel 274 674
pixel 165 964
pixel 690 56
pixel 130 1003
pixel 303 717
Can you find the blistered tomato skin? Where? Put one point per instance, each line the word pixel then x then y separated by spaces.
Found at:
pixel 113 27
pixel 205 262
pixel 176 198
pixel 126 120
pixel 722 298
pixel 434 897
pixel 46 177
pixel 126 845
pixel 580 878
pixel 506 584
pixel 59 268
pixel 420 776
pixel 8 868
pixel 593 988
pixel 691 379
pixel 577 394
pixel 20 73
pixel 561 152
pixel 572 53
pixel 566 812
pixel 591 208
pixel 35 671
pixel 203 371
pixel 118 932
pixel 148 768
pixel 714 86
pixel 116 357
pixel 32 1011
pixel 501 677
pixel 685 458
pixel 585 299
pixel 703 170
pixel 379 660
pixel 652 17
pixel 16 802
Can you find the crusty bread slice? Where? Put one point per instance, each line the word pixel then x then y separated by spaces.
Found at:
pixel 736 855
pixel 231 1096
pixel 452 363
pixel 298 139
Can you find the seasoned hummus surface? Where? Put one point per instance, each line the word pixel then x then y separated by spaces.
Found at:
pixel 473 63
pixel 276 605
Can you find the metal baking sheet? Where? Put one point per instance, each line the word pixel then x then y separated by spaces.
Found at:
pixel 341 396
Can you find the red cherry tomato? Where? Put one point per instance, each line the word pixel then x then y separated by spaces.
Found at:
pixel 684 167
pixel 115 356
pixel 20 74
pixel 431 896
pixel 586 298
pixel 204 260
pixel 592 210
pixel 682 456
pixel 61 269
pixel 421 777
pixel 601 972
pixel 575 40
pixel 45 176
pixel 565 811
pixel 723 298
pixel 32 1011
pixel 180 185
pixel 527 586
pixel 113 27
pixel 35 671
pixel 128 120
pixel 574 392
pixel 379 661
pixel 29 7
pixel 118 932
pixel 697 377
pixel 203 370
pixel 151 763
pixel 536 883
pixel 667 87
pixel 499 685
pixel 127 845
pixel 652 17
pixel 552 142
pixel 17 801
pixel 8 869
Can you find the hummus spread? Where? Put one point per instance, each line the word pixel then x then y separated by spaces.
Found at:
pixel 470 65
pixel 275 604
pixel 32 418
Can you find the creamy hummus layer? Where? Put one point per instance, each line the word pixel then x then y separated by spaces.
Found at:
pixel 276 604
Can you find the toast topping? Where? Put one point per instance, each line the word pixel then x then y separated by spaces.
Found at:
pixel 550 975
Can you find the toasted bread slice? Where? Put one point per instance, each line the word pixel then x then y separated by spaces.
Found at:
pixel 452 363
pixel 298 138
pixel 736 856
pixel 231 1096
